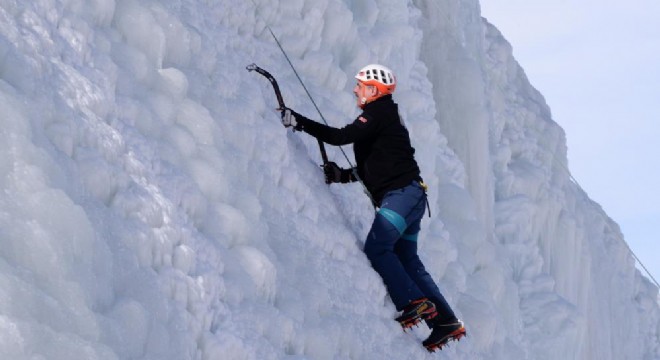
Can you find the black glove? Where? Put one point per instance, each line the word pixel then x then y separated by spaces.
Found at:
pixel 332 172
pixel 335 174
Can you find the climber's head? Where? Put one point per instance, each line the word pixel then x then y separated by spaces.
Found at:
pixel 373 81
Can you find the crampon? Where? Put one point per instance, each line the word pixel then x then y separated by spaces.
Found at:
pixel 418 310
pixel 442 334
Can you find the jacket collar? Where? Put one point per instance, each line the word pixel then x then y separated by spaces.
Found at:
pixel 381 100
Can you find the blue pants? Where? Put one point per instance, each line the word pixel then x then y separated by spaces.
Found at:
pixel 391 246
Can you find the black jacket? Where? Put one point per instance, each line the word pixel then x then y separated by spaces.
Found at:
pixel 384 157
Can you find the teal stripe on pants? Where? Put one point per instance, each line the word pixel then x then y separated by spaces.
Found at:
pixel 394 218
pixel 410 237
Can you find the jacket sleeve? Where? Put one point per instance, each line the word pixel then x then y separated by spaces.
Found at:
pixel 363 127
pixel 347 175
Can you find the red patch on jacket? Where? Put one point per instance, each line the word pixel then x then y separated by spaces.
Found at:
pixel 363 119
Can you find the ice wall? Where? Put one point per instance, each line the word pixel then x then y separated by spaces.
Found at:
pixel 154 208
pixel 567 254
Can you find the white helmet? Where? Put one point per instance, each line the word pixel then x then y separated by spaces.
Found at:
pixel 379 76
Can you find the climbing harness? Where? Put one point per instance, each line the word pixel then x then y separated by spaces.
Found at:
pixel 426 197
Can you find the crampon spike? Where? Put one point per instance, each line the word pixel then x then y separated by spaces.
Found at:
pixel 409 324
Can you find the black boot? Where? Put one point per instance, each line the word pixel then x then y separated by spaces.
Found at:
pixel 442 333
pixel 416 311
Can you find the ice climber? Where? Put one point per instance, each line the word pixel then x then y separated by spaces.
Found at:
pixel 386 164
